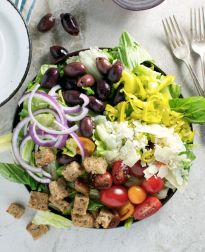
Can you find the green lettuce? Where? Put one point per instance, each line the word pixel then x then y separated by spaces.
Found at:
pixel 5 142
pixel 71 148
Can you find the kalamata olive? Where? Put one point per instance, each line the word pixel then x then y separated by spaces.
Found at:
pixel 103 89
pixel 119 96
pixel 103 181
pixel 69 24
pixel 72 97
pixel 96 105
pixel 63 159
pixel 115 72
pixel 46 23
pixel 137 170
pixel 74 69
pixel 50 78
pixel 86 126
pixel 103 65
pixel 68 83
pixel 58 52
pixel 86 80
pixel 115 219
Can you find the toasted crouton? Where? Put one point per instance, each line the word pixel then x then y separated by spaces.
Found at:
pixel 44 156
pixel 86 220
pixel 16 210
pixel 58 189
pixel 36 230
pixel 104 218
pixel 80 204
pixel 81 187
pixel 95 165
pixel 72 171
pixel 62 205
pixel 38 200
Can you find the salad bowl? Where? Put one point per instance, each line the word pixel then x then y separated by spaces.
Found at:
pixel 103 138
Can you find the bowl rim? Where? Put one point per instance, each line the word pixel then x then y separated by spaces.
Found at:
pixel 138 8
pixel 29 57
pixel 61 60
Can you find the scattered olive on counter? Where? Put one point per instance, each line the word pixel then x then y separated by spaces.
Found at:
pixel 46 23
pixel 115 72
pixel 74 69
pixel 103 65
pixel 58 52
pixel 86 80
pixel 50 78
pixel 86 126
pixel 69 24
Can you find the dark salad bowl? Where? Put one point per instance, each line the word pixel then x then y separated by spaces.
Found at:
pixel 60 61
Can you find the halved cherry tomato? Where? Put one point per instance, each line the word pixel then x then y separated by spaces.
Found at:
pixel 150 206
pixel 137 170
pixel 120 172
pixel 103 181
pixel 115 196
pixel 126 211
pixel 153 184
pixel 136 194
pixel 88 145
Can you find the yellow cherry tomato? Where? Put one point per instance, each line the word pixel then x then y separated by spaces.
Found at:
pixel 126 211
pixel 136 194
pixel 88 146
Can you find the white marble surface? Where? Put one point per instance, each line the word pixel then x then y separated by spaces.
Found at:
pixel 179 226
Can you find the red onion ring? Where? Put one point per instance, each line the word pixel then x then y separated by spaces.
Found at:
pixel 53 90
pixel 77 117
pixel 78 142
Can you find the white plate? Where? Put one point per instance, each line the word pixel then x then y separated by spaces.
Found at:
pixel 15 50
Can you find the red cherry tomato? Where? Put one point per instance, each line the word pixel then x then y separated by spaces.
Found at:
pixel 137 170
pixel 103 181
pixel 147 208
pixel 153 184
pixel 119 172
pixel 115 196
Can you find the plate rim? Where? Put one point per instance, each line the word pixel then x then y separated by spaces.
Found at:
pixel 29 57
pixel 138 9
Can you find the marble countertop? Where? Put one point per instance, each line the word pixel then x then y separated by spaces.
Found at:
pixel 179 226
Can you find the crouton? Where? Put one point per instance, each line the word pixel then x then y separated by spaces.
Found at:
pixel 72 171
pixel 86 220
pixel 80 204
pixel 38 200
pixel 104 218
pixel 16 210
pixel 36 230
pixel 81 187
pixel 44 157
pixel 58 189
pixel 95 165
pixel 62 205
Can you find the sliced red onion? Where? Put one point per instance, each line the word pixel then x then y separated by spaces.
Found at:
pixel 85 100
pixel 61 141
pixel 38 179
pixel 53 90
pixel 71 110
pixel 77 140
pixel 77 117
pixel 37 140
pixel 16 153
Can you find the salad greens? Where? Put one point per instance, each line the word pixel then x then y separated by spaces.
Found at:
pixel 5 142
pixel 49 218
pixel 128 222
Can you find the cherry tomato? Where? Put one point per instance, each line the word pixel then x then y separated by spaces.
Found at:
pixel 103 181
pixel 150 206
pixel 153 184
pixel 119 172
pixel 137 170
pixel 136 194
pixel 88 146
pixel 126 211
pixel 115 196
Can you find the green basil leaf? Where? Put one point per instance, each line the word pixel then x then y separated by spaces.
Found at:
pixel 94 205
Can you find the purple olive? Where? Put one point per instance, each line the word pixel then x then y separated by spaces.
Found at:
pixel 96 105
pixel 72 97
pixel 50 78
pixel 46 23
pixel 69 24
pixel 103 65
pixel 115 72
pixel 86 126
pixel 86 80
pixel 74 69
pixel 103 89
pixel 63 159
pixel 68 83
pixel 58 52
pixel 119 96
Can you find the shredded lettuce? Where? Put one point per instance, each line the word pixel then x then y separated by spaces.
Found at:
pixel 70 148
pixel 49 218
